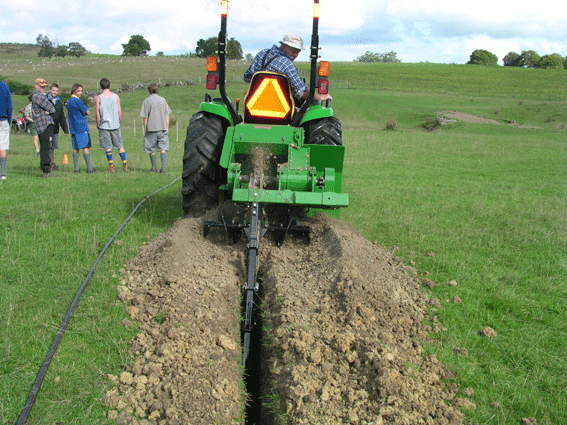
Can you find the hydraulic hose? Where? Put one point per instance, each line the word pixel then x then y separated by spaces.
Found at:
pixel 45 365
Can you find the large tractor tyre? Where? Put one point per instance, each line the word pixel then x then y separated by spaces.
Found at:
pixel 324 131
pixel 201 171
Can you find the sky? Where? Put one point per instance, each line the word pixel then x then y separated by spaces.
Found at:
pixel 438 31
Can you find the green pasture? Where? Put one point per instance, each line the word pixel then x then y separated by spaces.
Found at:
pixel 480 204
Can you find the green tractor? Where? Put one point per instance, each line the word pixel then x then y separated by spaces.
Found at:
pixel 267 168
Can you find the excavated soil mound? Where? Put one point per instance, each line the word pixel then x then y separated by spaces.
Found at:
pixel 343 320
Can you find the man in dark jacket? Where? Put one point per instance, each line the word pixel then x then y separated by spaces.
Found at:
pixel 59 120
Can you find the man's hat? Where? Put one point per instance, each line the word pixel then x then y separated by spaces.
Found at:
pixel 40 82
pixel 293 40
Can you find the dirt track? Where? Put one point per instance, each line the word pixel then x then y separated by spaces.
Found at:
pixel 344 320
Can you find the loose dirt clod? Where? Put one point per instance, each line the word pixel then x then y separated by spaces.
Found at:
pixel 488 332
pixel 343 343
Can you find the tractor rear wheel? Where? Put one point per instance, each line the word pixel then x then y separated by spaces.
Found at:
pixel 201 171
pixel 324 131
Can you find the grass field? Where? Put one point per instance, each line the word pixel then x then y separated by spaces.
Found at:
pixel 481 204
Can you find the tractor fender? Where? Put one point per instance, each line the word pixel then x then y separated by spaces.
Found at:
pixel 316 112
pixel 219 109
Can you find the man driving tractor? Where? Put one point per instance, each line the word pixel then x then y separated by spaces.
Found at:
pixel 280 60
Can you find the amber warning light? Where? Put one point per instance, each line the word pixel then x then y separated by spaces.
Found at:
pixel 224 7
pixel 324 70
pixel 212 64
pixel 212 76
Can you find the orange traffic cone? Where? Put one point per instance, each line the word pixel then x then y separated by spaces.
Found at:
pixel 65 159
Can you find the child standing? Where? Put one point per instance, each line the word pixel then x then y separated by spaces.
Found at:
pixel 79 127
pixel 30 125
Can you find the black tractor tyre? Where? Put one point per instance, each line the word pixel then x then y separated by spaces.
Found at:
pixel 201 171
pixel 324 131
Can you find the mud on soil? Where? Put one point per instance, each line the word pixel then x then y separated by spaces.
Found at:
pixel 344 321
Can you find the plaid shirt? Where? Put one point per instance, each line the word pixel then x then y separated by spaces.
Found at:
pixel 41 108
pixel 277 61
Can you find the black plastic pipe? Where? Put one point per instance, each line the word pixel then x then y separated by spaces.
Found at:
pixel 45 365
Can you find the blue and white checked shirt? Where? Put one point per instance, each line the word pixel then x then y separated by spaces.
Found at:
pixel 278 61
pixel 41 108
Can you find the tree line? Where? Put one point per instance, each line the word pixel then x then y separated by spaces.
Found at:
pixel 526 59
pixel 389 57
pixel 49 47
pixel 138 46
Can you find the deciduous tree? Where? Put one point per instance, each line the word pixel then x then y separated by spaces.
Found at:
pixel 553 61
pixel 61 51
pixel 137 46
pixel 530 58
pixel 513 59
pixel 46 47
pixel 483 57
pixel 206 47
pixel 209 47
pixel 76 49
pixel 234 49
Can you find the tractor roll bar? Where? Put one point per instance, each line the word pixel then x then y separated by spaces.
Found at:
pixel 222 58
pixel 313 74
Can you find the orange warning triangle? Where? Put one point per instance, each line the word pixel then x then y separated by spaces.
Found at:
pixel 269 100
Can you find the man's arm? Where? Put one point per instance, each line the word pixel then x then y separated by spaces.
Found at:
pixel 63 120
pixel 98 111
pixel 119 108
pixel 9 107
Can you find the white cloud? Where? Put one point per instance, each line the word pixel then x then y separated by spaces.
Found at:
pixel 418 30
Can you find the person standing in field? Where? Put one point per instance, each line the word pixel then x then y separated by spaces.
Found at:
pixel 155 112
pixel 59 120
pixel 108 117
pixel 5 123
pixel 28 116
pixel 79 127
pixel 42 109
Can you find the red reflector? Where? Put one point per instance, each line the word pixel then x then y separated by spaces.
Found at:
pixel 323 86
pixel 211 82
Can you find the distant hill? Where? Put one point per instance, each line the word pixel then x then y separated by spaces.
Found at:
pixel 18 50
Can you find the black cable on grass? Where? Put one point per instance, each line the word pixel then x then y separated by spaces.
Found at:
pixel 43 370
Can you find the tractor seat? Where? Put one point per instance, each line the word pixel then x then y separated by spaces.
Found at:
pixel 269 100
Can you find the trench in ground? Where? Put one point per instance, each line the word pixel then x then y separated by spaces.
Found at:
pixel 259 410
